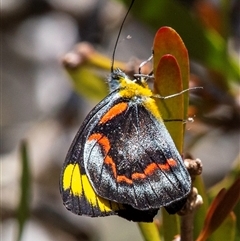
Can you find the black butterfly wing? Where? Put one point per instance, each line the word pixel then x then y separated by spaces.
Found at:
pixel 131 159
pixel 76 190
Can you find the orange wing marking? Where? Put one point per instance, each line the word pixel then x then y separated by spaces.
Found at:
pixel 101 140
pixel 105 144
pixel 123 178
pixel 148 171
pixel 170 163
pixel 114 111
pixel 109 161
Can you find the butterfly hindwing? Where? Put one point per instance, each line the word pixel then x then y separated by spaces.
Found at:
pixel 131 159
pixel 77 192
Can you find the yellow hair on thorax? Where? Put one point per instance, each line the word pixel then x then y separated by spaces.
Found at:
pixel 131 89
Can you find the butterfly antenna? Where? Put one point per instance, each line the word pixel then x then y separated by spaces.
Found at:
pixel 120 30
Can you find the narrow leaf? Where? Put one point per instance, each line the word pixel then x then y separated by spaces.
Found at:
pixel 201 212
pixel 23 207
pixel 168 41
pixel 170 225
pixel 226 231
pixel 167 82
pixel 220 208
pixel 149 231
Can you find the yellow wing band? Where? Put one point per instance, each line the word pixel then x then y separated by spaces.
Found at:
pixel 79 186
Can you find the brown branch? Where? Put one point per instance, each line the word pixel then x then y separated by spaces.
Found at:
pixel 194 201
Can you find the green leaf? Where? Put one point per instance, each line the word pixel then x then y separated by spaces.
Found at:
pixel 237 213
pixel 227 182
pixel 201 212
pixel 88 83
pixel 226 231
pixel 149 231
pixel 85 65
pixel 170 225
pixel 24 203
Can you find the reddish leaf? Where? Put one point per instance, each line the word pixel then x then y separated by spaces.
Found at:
pixel 167 41
pixel 220 208
pixel 167 82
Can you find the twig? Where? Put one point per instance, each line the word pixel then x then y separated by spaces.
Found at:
pixel 194 201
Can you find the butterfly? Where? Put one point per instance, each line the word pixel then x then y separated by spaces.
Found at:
pixel 122 160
